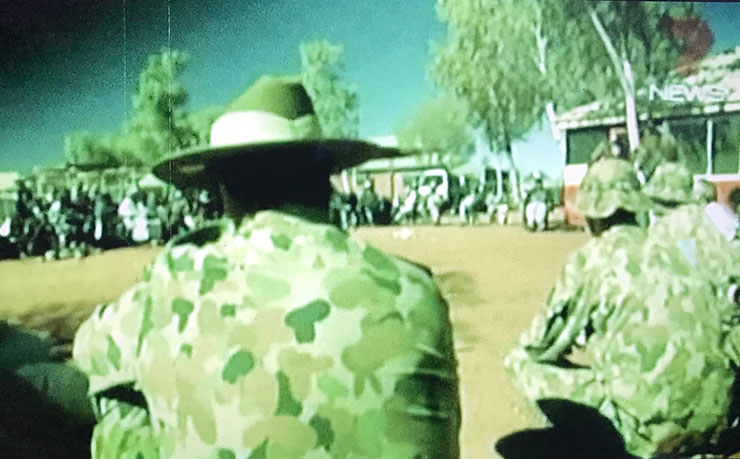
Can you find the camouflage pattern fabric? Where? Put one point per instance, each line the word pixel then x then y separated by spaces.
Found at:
pixel 281 339
pixel 714 257
pixel 671 182
pixel 705 246
pixel 610 184
pixel 656 340
pixel 124 432
pixel 704 191
pixel 554 333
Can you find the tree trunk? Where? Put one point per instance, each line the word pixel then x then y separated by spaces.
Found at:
pixel 513 173
pixel 550 110
pixel 345 182
pixel 629 101
pixel 624 71
pixel 541 61
pixel 499 180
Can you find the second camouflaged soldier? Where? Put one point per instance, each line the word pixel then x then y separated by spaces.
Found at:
pixel 622 334
pixel 279 337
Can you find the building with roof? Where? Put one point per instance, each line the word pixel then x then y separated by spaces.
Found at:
pixel 702 112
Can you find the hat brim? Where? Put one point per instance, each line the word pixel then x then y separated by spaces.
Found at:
pixel 664 194
pixel 193 167
pixel 609 202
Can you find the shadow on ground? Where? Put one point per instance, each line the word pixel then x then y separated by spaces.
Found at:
pixel 577 431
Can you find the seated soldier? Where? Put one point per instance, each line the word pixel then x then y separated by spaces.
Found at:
pixel 274 335
pixel 636 331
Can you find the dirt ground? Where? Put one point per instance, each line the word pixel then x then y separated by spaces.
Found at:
pixel 494 278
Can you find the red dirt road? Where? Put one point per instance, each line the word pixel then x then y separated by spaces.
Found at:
pixel 494 278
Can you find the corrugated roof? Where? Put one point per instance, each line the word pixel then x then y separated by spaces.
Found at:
pixel 721 70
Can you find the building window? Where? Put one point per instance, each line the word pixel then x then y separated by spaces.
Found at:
pixel 726 145
pixel 691 137
pixel 583 142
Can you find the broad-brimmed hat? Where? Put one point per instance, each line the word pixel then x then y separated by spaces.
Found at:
pixel 273 121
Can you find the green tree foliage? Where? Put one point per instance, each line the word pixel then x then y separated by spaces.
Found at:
pixel 159 124
pixel 200 122
pixel 336 103
pixel 478 62
pixel 638 38
pixel 439 126
pixel 87 148
pixel 566 51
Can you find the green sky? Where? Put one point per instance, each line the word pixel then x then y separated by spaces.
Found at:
pixel 80 74
pixel 71 65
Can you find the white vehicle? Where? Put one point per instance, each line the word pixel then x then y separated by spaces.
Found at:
pixel 434 181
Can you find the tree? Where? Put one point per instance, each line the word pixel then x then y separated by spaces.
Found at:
pixel 476 63
pixel 159 124
pixel 439 126
pixel 200 122
pixel 85 148
pixel 336 103
pixel 566 51
pixel 639 42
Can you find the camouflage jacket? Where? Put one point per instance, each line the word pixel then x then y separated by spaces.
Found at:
pixel 573 305
pixel 660 352
pixel 657 338
pixel 713 253
pixel 707 253
pixel 282 339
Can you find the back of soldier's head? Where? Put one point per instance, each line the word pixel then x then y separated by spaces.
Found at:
pixel 610 194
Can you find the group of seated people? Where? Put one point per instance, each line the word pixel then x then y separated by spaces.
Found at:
pixel 77 220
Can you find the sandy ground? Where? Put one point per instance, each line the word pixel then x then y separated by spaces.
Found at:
pixel 494 278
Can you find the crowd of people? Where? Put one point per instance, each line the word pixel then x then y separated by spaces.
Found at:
pixel 467 203
pixel 75 220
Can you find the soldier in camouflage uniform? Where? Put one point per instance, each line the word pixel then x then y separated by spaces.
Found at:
pixel 650 335
pixel 670 186
pixel 276 337
pixel 610 198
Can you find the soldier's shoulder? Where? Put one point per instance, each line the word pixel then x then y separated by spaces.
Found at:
pixel 686 211
pixel 422 268
pixel 619 237
pixel 206 234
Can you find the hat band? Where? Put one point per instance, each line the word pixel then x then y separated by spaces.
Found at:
pixel 248 127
